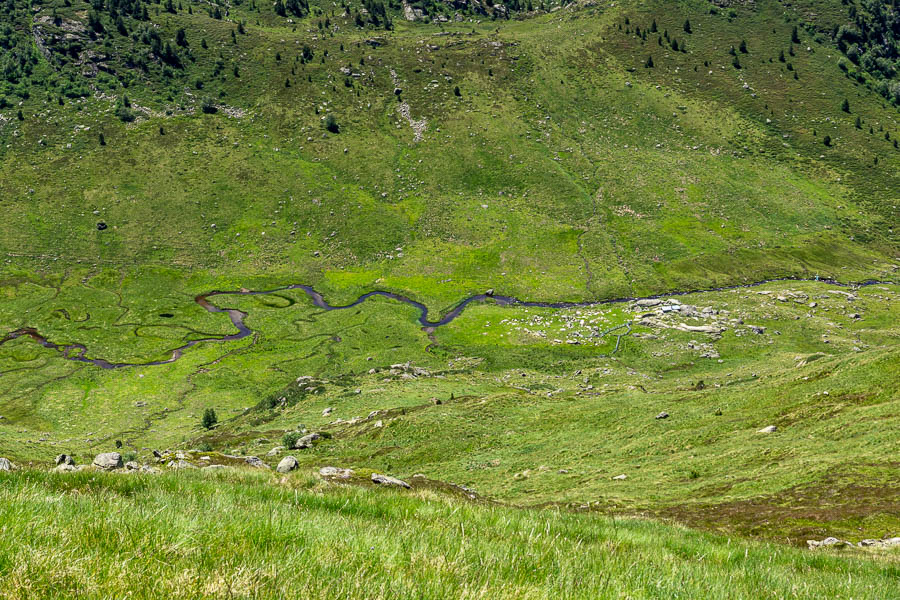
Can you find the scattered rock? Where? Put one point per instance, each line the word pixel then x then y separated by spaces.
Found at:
pixel 335 473
pixel 884 543
pixel 5 465
pixel 275 451
pixel 855 316
pixel 132 466
pixel 253 461
pixel 307 441
pixel 65 468
pixel 327 411
pixel 663 415
pixel 768 429
pixel 648 302
pixel 108 461
pixel 829 541
pixel 389 481
pixel 287 464
pixel 65 459
pixel 621 477
pixel 213 467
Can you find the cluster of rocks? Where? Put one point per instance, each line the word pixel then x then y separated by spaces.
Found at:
pixel 868 543
pixel 408 371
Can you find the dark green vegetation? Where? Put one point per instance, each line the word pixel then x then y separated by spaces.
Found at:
pixel 151 152
pixel 304 537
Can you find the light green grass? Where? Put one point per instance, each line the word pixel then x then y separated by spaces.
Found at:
pixel 242 535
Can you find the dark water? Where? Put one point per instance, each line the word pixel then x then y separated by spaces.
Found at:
pixel 76 352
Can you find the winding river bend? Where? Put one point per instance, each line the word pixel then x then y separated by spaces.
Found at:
pixel 77 352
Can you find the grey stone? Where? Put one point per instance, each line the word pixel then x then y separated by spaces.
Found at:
pixel 389 481
pixel 253 461
pixel 287 464
pixel 5 465
pixel 108 460
pixel 335 472
pixel 768 429
pixel 64 459
pixel 65 468
pixel 275 451
pixel 663 415
pixel 307 441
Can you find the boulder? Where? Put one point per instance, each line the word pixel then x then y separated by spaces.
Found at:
pixel 108 461
pixel 663 415
pixel 287 464
pixel 132 465
pixel 253 461
pixel 648 302
pixel 64 459
pixel 327 411
pixel 768 429
pixel 307 441
pixel 275 451
pixel 65 468
pixel 621 477
pixel 5 465
pixel 389 481
pixel 335 473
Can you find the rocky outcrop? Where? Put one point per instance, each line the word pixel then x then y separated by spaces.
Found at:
pixel 389 481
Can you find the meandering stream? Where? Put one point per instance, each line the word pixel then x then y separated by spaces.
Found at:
pixel 76 352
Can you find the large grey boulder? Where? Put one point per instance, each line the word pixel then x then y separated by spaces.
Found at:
pixel 5 465
pixel 389 481
pixel 287 464
pixel 768 429
pixel 108 461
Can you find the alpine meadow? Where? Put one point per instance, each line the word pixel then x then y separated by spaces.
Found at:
pixel 437 299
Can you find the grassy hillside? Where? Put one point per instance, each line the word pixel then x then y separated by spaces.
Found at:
pixel 227 534
pixel 154 152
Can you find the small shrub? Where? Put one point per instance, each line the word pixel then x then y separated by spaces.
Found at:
pixel 208 106
pixel 102 139
pixel 827 140
pixel 649 63
pixel 205 447
pixel 290 438
pixel 845 106
pixel 331 124
pixel 456 91
pixel 125 114
pixel 209 418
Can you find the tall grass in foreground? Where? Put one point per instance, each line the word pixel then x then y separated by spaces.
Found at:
pixel 244 535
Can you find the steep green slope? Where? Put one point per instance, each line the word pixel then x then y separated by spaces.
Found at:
pixel 555 162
